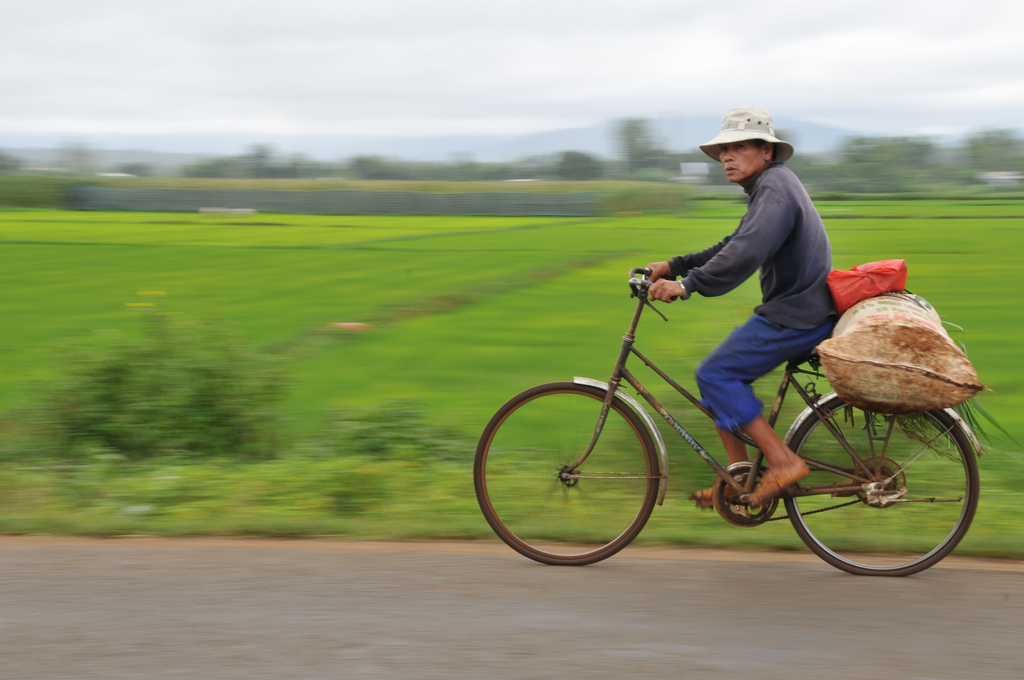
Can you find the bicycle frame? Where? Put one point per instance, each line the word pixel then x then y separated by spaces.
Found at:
pixel 620 373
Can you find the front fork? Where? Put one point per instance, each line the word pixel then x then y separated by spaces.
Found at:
pixel 652 429
pixel 613 384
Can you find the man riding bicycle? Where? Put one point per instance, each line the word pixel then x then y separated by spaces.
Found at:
pixel 781 236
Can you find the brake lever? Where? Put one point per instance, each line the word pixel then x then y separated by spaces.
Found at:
pixel 647 301
pixel 639 285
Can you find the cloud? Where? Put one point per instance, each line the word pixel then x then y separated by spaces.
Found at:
pixel 413 67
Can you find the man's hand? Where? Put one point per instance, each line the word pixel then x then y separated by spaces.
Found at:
pixel 659 270
pixel 663 289
pixel 666 290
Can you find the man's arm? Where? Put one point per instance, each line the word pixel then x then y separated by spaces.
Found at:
pixel 761 233
pixel 682 264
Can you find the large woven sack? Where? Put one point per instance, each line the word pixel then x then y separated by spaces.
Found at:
pixel 890 354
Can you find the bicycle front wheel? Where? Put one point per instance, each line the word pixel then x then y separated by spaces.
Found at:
pixel 542 508
pixel 896 507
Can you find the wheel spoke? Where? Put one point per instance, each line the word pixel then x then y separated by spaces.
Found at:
pixel 911 511
pixel 531 491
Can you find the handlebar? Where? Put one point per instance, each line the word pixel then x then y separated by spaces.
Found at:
pixel 638 284
pixel 639 270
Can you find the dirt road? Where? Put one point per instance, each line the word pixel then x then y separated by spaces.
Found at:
pixel 212 609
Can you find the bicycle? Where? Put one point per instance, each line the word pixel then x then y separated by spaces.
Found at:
pixel 568 473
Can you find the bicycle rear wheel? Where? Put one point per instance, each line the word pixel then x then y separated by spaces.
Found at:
pixel 900 510
pixel 574 519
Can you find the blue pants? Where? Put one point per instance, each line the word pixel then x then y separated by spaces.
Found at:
pixel 726 376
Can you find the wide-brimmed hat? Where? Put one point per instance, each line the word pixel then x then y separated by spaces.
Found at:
pixel 747 122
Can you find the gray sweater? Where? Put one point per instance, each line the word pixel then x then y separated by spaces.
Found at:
pixel 782 236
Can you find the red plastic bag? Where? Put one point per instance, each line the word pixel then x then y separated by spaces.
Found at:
pixel 866 281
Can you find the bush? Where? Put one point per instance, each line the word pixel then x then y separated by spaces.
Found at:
pixel 24 191
pixel 186 389
pixel 575 166
pixel 398 430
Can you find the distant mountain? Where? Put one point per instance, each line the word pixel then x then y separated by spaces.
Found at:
pixel 166 154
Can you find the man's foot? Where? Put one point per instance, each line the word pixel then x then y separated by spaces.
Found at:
pixel 774 483
pixel 704 498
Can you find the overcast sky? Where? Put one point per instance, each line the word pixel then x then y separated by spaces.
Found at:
pixel 72 69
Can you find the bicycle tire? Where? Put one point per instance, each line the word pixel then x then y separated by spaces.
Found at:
pixel 928 493
pixel 524 448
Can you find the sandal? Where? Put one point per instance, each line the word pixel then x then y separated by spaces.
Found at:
pixel 704 498
pixel 774 484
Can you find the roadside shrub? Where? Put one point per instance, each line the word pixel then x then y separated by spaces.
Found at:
pixel 396 429
pixel 26 433
pixel 187 389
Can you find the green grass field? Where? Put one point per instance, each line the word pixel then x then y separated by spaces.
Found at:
pixel 465 313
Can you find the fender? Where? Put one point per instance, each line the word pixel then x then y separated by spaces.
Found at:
pixel 651 428
pixel 950 412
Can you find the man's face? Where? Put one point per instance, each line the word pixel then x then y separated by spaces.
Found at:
pixel 744 161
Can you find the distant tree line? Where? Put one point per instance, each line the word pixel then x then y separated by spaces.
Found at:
pixel 260 162
pixel 905 164
pixel 9 164
pixel 861 164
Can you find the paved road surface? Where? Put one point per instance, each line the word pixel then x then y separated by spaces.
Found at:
pixel 212 609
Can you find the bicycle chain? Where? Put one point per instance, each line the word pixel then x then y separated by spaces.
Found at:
pixel 815 512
